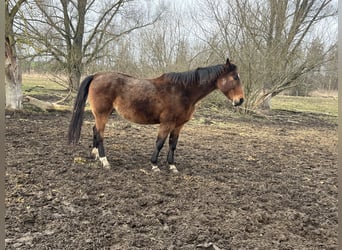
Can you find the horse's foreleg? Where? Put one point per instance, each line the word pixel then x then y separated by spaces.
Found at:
pixel 162 134
pixel 172 147
pixel 154 159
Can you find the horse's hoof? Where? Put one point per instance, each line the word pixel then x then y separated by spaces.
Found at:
pixel 95 153
pixel 155 168
pixel 105 162
pixel 106 166
pixel 173 169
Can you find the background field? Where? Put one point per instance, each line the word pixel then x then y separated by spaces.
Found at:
pixel 323 102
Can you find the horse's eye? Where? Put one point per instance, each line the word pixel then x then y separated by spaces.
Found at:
pixel 236 77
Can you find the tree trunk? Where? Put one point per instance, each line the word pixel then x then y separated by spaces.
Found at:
pixel 12 71
pixel 75 77
pixel 46 106
pixel 13 79
pixel 74 45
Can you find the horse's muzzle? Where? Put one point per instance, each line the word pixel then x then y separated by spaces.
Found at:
pixel 238 102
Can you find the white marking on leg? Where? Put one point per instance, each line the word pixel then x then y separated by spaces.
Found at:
pixel 155 168
pixel 105 162
pixel 173 169
pixel 95 153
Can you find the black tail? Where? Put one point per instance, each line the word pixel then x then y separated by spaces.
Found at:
pixel 78 111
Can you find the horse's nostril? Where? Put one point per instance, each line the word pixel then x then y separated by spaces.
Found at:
pixel 238 102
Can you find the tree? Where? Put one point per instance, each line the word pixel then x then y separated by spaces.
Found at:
pixel 166 46
pixel 268 40
pixel 75 33
pixel 310 81
pixel 331 72
pixel 13 81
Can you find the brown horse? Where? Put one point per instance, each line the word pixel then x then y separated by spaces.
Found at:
pixel 168 100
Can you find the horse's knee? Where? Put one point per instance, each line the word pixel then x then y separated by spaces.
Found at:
pixel 173 147
pixel 160 143
pixel 173 142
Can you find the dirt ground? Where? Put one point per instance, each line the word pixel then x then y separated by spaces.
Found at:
pixel 245 183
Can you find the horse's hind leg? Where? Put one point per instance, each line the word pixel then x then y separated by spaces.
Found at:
pixel 95 150
pixel 100 123
pixel 172 147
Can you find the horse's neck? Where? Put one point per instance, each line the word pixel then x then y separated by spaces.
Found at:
pixel 202 90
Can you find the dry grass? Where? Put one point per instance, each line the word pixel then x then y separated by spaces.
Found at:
pixel 41 82
pixel 322 105
pixel 324 93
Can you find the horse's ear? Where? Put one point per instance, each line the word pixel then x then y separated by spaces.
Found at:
pixel 227 62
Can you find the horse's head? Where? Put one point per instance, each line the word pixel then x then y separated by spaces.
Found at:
pixel 230 84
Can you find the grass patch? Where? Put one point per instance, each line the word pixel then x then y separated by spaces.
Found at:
pixel 44 87
pixel 322 105
pixel 35 84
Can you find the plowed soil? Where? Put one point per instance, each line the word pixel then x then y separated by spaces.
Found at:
pixel 267 182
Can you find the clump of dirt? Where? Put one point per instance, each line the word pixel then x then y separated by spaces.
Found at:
pixel 244 183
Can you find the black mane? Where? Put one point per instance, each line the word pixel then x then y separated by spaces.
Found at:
pixel 198 76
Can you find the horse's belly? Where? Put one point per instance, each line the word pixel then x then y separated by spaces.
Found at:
pixel 138 111
pixel 138 118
